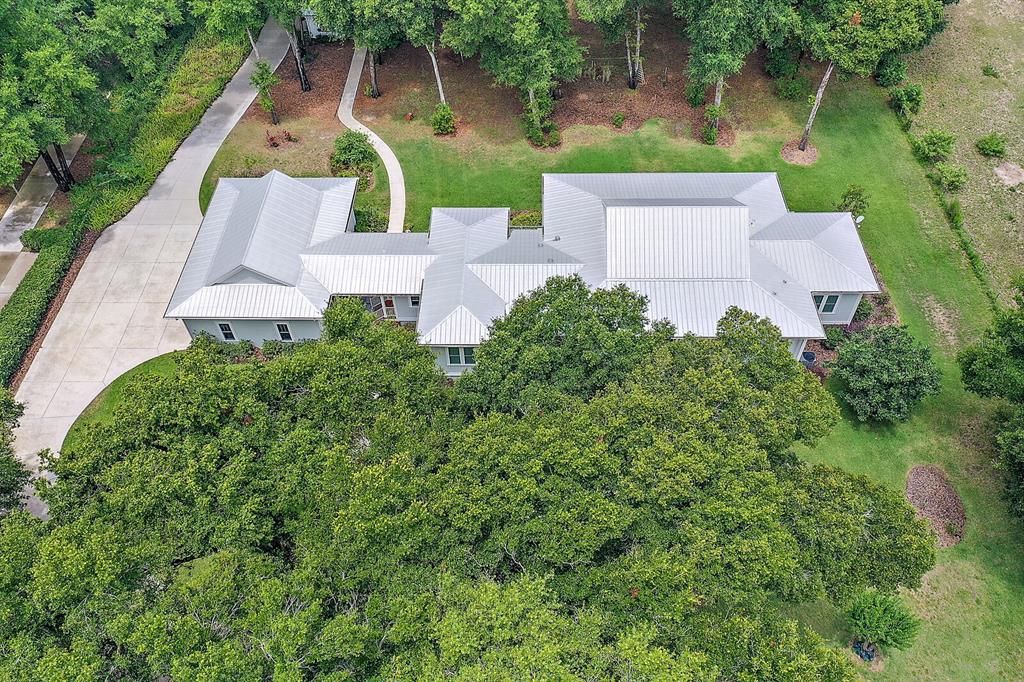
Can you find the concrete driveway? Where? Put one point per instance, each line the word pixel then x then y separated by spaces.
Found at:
pixel 112 319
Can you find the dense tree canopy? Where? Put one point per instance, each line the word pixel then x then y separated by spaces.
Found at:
pixel 330 513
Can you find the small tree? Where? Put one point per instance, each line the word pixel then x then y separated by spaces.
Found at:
pixel 352 151
pixel 883 620
pixel 885 373
pixel 263 79
pixel 854 200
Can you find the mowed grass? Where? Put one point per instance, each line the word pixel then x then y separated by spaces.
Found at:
pixel 101 409
pixel 971 603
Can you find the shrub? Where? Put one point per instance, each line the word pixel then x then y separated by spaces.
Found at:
pixel 906 101
pixel 882 619
pixel 525 219
pixel 990 71
pixel 544 135
pixel 695 93
pixel 854 200
pixel 993 144
pixel 792 88
pixel 443 119
pixel 371 220
pixel 834 337
pixel 934 145
pixel 352 151
pixel 891 71
pixel 950 176
pixel 782 62
pixel 1010 458
pixel 709 134
pixel 618 119
pixel 885 374
pixel 864 310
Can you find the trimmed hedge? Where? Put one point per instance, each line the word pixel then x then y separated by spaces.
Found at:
pixel 118 184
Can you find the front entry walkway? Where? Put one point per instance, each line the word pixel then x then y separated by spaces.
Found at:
pixel 396 180
pixel 112 319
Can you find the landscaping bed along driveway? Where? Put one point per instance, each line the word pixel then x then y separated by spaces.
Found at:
pixel 112 319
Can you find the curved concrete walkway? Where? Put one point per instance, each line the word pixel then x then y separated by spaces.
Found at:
pixel 396 181
pixel 113 319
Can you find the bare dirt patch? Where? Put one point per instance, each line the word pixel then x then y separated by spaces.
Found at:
pixel 935 498
pixel 1010 174
pixel 945 321
pixel 791 153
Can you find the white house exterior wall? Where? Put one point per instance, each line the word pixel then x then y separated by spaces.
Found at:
pixel 844 310
pixel 256 331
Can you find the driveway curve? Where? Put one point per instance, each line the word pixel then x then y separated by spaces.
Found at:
pixel 112 319
pixel 396 180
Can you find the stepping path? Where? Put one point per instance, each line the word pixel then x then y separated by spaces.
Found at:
pixel 396 180
pixel 33 196
pixel 113 319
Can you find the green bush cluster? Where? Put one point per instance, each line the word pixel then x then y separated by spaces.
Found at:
pixel 864 310
pixel 618 119
pixel 993 144
pixel 834 337
pixel 882 619
pixel 371 220
pixel 792 88
pixel 709 134
pixel 950 176
pixel 906 101
pixel 119 182
pixel 443 119
pixel 783 62
pixel 525 219
pixel 934 145
pixel 352 152
pixel 545 134
pixel 695 93
pixel 891 71
pixel 854 200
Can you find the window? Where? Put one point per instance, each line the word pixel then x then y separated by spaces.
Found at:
pixel 465 355
pixel 830 303
pixel 284 332
pixel 414 301
pixel 226 332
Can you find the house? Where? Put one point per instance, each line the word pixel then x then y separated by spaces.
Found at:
pixel 273 251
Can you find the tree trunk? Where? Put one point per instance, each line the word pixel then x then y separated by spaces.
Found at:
pixel 533 107
pixel 718 98
pixel 374 90
pixel 51 165
pixel 273 117
pixel 299 67
pixel 252 41
pixel 817 103
pixel 437 73
pixel 630 73
pixel 63 162
pixel 636 59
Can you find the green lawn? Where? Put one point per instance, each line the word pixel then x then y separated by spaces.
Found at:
pixel 101 409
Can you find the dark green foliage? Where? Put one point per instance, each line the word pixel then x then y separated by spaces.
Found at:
pixel 13 475
pixel 882 619
pixel 891 71
pixel 934 145
pixel 442 121
pixel 906 101
pixel 525 219
pixel 950 176
pixel 989 71
pixel 618 119
pixel 560 340
pixel 993 144
pixel 792 88
pixel 864 310
pixel 352 152
pixel 709 134
pixel 854 200
pixel 326 514
pixel 885 373
pixel 21 316
pixel 783 62
pixel 834 337
pixel 544 134
pixel 695 94
pixel 1010 451
pixel 371 220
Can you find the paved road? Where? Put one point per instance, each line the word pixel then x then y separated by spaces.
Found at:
pixel 31 200
pixel 396 181
pixel 112 319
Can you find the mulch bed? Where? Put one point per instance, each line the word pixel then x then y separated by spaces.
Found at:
pixel 326 68
pixel 791 153
pixel 88 240
pixel 935 499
